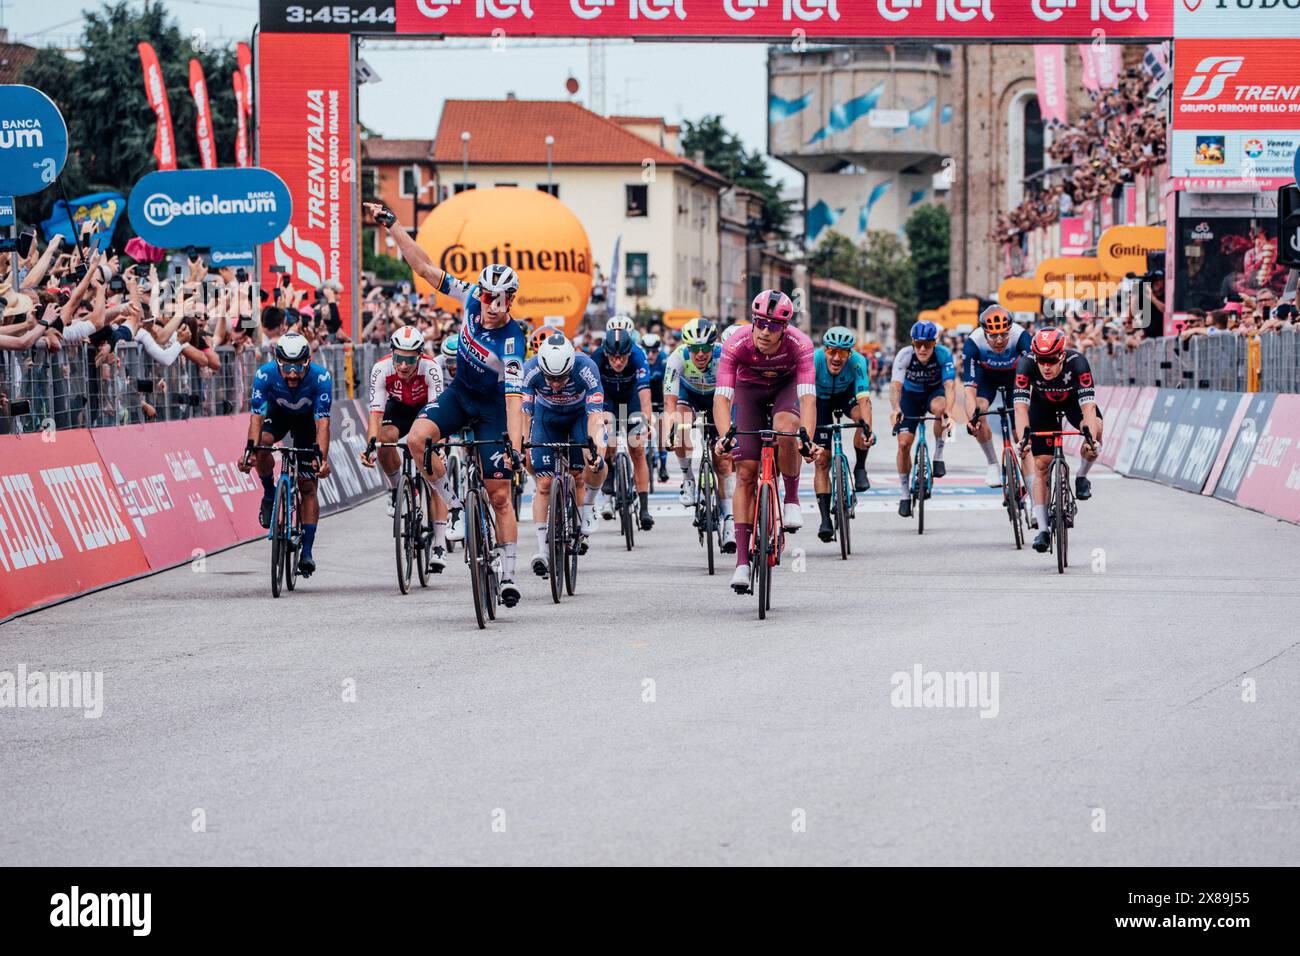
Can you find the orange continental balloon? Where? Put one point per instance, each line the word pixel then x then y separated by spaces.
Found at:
pixel 527 229
pixel 1021 295
pixel 1123 249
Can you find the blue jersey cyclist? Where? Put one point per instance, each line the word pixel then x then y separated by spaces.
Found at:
pixel 690 378
pixel 486 394
pixel 292 395
pixel 989 372
pixel 843 386
pixel 625 378
pixel 924 383
pixel 563 402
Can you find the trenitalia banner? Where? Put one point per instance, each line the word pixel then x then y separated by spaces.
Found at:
pixel 305 131
pixel 1235 18
pixel 164 144
pixel 241 120
pixel 1248 85
pixel 202 116
pixel 244 57
pixel 221 208
pixel 842 19
pixel 33 141
pixel 63 529
pixel 1049 76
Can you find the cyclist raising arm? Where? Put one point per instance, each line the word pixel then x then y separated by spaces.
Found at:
pixel 923 382
pixel 1051 378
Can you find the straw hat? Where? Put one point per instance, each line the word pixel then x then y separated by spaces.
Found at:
pixel 16 303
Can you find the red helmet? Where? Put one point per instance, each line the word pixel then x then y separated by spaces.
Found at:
pixel 1048 344
pixel 771 304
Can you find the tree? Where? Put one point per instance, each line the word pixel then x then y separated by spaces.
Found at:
pixel 725 153
pixel 927 238
pixel 880 267
pixel 102 99
pixel 837 257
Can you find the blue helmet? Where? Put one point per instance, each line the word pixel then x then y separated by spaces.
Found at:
pixel 925 332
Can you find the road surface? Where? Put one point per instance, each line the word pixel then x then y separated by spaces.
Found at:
pixel 1140 709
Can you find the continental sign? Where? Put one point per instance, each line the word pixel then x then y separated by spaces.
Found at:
pixel 1076 277
pixel 1123 249
pixel 460 261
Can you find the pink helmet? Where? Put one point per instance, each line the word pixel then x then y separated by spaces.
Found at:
pixel 771 304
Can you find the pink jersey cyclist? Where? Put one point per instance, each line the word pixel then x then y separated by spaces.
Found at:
pixel 756 381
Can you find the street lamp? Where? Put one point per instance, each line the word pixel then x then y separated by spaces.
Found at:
pixel 464 176
pixel 550 142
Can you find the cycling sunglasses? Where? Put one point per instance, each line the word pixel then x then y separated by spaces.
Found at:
pixel 769 325
pixel 838 353
pixel 297 368
pixel 1049 361
pixel 701 349
pixel 405 359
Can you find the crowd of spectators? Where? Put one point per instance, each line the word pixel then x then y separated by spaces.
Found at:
pixel 1123 135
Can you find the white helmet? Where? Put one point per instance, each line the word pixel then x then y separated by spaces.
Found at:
pixel 650 341
pixel 621 321
pixel 730 330
pixel 292 347
pixel 407 339
pixel 556 355
pixel 499 279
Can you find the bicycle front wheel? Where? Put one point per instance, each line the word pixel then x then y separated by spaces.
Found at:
pixel 922 486
pixel 572 541
pixel 708 514
pixel 279 537
pixel 764 531
pixel 840 496
pixel 1060 531
pixel 1011 493
pixel 403 513
pixel 292 538
pixel 474 555
pixel 555 533
pixel 423 530
pixel 625 492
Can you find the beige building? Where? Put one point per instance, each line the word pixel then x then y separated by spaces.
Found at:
pixel 622 176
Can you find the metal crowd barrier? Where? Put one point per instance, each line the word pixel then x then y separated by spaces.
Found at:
pixel 1220 362
pixel 80 387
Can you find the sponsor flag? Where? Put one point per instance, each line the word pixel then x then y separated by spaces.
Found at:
pixel 241 125
pixel 202 116
pixel 1100 65
pixel 101 208
pixel 1049 73
pixel 244 56
pixel 611 284
pixel 164 146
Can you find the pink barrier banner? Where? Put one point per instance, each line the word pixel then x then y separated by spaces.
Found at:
pixel 1116 407
pixel 1272 480
pixel 63 529
pixel 168 489
pixel 1131 437
pixel 223 446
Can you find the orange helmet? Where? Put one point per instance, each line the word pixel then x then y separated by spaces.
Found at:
pixel 995 320
pixel 539 335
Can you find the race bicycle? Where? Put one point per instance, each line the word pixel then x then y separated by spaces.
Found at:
pixel 412 520
pixel 285 532
pixel 921 483
pixel 625 499
pixel 563 523
pixel 480 525
pixel 708 495
pixel 1014 488
pixel 1061 506
pixel 843 498
pixel 768 541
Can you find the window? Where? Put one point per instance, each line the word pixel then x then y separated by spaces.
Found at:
pixel 552 188
pixel 370 184
pixel 410 181
pixel 461 187
pixel 637 200
pixel 638 273
pixel 1033 137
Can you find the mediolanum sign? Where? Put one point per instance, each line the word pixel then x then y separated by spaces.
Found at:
pixel 1210 19
pixel 33 141
pixel 226 208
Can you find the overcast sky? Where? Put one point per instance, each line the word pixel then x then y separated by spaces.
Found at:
pixel 676 81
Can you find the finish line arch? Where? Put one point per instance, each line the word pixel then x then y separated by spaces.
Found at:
pixel 306 96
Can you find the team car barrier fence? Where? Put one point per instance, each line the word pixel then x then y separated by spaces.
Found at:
pixel 86 508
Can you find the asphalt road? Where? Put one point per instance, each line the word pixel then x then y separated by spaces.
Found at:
pixel 1118 733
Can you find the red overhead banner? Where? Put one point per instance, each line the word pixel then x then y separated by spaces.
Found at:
pixel 202 116
pixel 164 144
pixel 241 120
pixel 63 529
pixel 305 132
pixel 778 19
